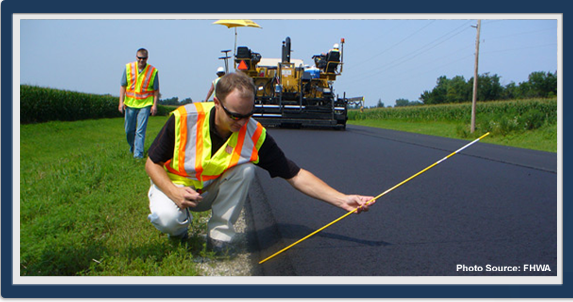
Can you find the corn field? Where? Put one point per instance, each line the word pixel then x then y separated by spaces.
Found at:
pixel 39 104
pixel 501 116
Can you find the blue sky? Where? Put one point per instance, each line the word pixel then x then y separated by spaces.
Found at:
pixel 384 59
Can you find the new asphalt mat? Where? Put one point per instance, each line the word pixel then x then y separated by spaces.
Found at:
pixel 489 206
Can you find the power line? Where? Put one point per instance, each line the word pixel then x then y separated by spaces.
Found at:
pixel 394 45
pixel 427 68
pixel 523 33
pixel 416 53
pixel 520 48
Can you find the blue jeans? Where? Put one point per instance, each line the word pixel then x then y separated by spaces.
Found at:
pixel 135 127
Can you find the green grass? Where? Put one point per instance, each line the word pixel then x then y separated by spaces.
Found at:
pixel 84 205
pixel 444 129
pixel 530 124
pixel 543 139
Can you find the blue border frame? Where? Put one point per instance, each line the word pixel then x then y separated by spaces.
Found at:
pixel 9 290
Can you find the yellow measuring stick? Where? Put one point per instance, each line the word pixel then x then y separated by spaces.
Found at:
pixel 373 199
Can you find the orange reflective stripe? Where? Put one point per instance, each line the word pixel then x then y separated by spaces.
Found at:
pixel 238 148
pixel 210 177
pixel 138 96
pixel 183 136
pixel 256 136
pixel 199 142
pixel 168 166
pixel 132 72
pixel 145 78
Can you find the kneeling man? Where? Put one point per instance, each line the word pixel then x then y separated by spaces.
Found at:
pixel 204 159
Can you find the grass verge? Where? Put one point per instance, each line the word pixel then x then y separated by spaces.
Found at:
pixel 84 205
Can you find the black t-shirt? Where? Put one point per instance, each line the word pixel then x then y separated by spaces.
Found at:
pixel 271 157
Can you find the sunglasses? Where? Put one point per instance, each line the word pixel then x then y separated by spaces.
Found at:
pixel 237 116
pixel 142 58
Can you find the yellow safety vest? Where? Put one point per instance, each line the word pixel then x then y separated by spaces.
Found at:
pixel 139 91
pixel 192 163
pixel 215 81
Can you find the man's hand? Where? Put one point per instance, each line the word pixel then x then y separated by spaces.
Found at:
pixel 154 110
pixel 185 197
pixel 358 202
pixel 121 106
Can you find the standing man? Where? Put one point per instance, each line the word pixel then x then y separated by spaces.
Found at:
pixel 212 90
pixel 138 97
pixel 204 159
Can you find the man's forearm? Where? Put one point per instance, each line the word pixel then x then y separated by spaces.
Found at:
pixel 122 90
pixel 313 186
pixel 309 184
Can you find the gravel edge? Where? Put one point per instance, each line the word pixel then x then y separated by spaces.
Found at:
pixel 240 265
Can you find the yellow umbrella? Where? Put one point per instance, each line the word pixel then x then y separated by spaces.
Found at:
pixel 234 23
pixel 237 23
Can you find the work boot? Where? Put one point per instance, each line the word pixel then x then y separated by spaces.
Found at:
pixel 220 248
pixel 181 238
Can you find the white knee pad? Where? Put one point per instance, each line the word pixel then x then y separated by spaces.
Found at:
pixel 172 222
pixel 165 215
pixel 248 171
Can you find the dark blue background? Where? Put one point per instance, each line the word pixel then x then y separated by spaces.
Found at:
pixel 10 7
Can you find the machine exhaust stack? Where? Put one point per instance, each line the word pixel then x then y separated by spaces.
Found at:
pixel 286 50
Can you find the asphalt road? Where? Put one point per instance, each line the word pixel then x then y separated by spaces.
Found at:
pixel 489 205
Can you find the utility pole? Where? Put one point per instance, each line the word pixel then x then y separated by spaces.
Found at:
pixel 474 97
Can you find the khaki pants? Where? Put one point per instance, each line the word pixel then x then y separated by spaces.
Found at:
pixel 225 197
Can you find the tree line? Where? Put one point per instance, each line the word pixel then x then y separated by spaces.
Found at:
pixel 174 101
pixel 458 90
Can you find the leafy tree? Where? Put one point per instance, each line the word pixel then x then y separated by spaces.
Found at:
pixel 489 88
pixel 458 90
pixel 542 84
pixel 511 92
pixel 174 101
pixel 439 94
pixel 171 101
pixel 186 101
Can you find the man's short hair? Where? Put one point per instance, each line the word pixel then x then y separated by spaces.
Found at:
pixel 238 80
pixel 142 50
